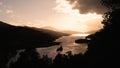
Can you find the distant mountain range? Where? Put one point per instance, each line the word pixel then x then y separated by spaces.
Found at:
pixel 63 31
pixel 26 37
pixel 66 31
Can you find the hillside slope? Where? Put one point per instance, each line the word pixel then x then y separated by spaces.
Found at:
pixel 26 37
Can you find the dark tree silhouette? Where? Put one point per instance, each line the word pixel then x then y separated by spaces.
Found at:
pixel 104 46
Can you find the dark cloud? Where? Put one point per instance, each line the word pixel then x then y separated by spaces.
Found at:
pixel 88 6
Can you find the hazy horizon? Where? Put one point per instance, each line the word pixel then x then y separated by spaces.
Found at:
pixel 55 13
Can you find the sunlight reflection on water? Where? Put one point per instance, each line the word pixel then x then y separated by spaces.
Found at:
pixel 68 44
pixel 80 35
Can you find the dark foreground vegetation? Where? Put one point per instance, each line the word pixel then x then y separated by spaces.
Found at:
pixel 103 51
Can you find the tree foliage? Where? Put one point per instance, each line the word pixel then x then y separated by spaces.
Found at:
pixel 104 45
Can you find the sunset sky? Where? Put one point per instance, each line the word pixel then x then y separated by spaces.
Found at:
pixel 55 13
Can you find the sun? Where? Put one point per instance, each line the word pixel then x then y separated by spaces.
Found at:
pixel 76 21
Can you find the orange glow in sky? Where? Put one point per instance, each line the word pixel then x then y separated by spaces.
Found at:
pixel 55 13
pixel 76 21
